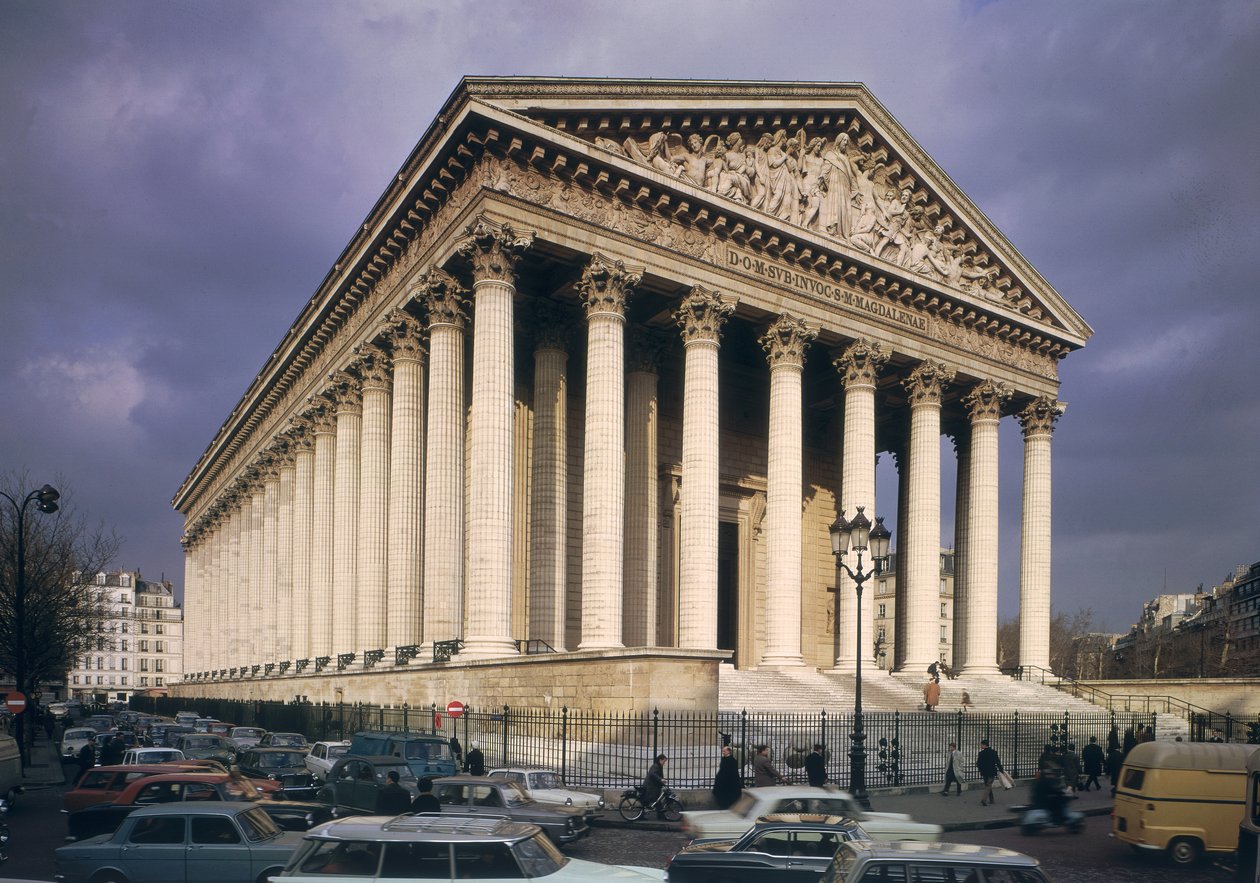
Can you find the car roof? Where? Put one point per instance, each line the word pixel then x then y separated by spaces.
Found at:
pixel 332 742
pixel 375 759
pixel 921 850
pixel 284 733
pixel 267 749
pixel 523 769
pixel 467 779
pixel 185 807
pixel 782 791
pixel 187 777
pixel 804 820
pixel 411 828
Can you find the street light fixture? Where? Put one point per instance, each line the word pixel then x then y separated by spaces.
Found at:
pixel 45 500
pixel 859 536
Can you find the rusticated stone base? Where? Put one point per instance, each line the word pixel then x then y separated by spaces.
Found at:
pixel 629 680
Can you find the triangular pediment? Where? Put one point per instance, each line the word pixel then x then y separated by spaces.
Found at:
pixel 822 161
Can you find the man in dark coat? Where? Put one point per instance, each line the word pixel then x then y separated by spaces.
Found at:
pixel 393 799
pixel 426 801
pixel 727 784
pixel 1092 763
pixel 113 752
pixel 816 767
pixel 988 763
pixel 86 758
pixel 475 761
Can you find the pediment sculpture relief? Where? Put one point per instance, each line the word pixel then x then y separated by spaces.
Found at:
pixel 829 185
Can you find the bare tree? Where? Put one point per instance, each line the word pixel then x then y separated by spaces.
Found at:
pixel 1064 651
pixel 49 558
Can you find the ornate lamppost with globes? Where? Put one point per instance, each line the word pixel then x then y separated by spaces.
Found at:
pixel 859 536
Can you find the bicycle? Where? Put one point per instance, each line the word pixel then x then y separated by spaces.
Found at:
pixel 667 805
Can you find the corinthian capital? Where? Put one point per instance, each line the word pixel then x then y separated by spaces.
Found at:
pixel 786 340
pixel 861 362
pixel 985 400
pixel 494 250
pixel 344 392
pixel 926 383
pixel 605 285
pixel 646 349
pixel 373 365
pixel 444 298
pixel 404 335
pixel 702 314
pixel 1040 415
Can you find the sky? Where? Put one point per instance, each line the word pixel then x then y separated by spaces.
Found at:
pixel 176 178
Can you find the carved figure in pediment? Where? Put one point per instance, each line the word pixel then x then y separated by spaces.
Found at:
pixel 759 158
pixel 654 152
pixel 835 214
pixel 736 176
pixel 695 159
pixel 894 225
pixel 783 184
pixel 864 234
pixel 813 183
pixel 610 145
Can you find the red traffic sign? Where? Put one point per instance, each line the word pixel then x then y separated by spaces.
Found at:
pixel 455 708
pixel 15 702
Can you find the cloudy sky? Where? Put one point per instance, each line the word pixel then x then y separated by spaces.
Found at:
pixel 176 178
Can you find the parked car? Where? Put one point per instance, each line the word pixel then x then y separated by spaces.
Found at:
pixel 547 787
pixel 434 847
pixel 284 765
pixel 221 728
pixel 245 737
pixel 322 756
pixel 284 740
pixel 186 718
pixel 100 722
pixel 792 848
pixel 206 745
pixel 876 860
pixel 484 796
pixel 104 783
pixel 73 740
pixel 758 802
pixel 164 735
pixel 223 842
pixel 104 818
pixel 354 783
pixel 425 753
pixel 202 724
pixel 151 755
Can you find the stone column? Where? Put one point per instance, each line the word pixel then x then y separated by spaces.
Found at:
pixel 549 488
pixel 976 652
pixel 194 599
pixel 924 387
pixel 253 643
pixel 324 467
pixel 302 549
pixel 494 252
pixel 371 577
pixel 605 286
pixel 859 366
pixel 641 583
pixel 444 460
pixel 406 481
pixel 236 598
pixel 701 316
pixel 286 602
pixel 785 343
pixel 349 417
pixel 267 600
pixel 961 438
pixel 1037 422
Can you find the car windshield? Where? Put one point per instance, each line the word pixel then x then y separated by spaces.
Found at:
pixel 247 733
pixel 201 742
pixel 538 856
pixel 79 734
pixel 270 761
pixel 287 740
pixel 546 779
pixel 428 751
pixel 258 825
pixel 404 773
pixel 338 750
pixel 513 794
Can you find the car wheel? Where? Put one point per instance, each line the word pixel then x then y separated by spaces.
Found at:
pixel 109 877
pixel 11 797
pixel 269 873
pixel 1185 851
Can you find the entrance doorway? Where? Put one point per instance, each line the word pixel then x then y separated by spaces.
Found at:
pixel 728 587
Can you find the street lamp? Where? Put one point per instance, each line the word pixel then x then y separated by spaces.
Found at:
pixel 858 535
pixel 45 500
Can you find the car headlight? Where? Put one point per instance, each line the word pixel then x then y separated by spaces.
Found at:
pixel 310 819
pixel 568 801
pixel 600 803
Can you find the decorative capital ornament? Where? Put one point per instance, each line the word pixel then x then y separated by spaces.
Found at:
pixel 494 251
pixel 861 362
pixel 927 382
pixel 549 324
pixel 345 392
pixel 702 314
pixel 373 365
pixel 647 347
pixel 444 298
pixel 985 400
pixel 605 286
pixel 1040 415
pixel 786 341
pixel 404 335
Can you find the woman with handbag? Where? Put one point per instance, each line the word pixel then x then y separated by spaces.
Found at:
pixel 989 765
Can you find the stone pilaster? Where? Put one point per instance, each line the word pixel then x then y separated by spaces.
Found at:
pixel 924 387
pixel 859 366
pixel 640 589
pixel 1037 422
pixel 549 487
pixel 494 252
pixel 349 417
pixel 445 303
pixel 406 493
pixel 605 286
pixel 324 467
pixel 371 578
pixel 303 436
pixel 785 343
pixel 701 316
pixel 976 652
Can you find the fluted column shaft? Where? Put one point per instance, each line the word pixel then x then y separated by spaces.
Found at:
pixel 976 652
pixel 1037 421
pixel 444 461
pixel 701 316
pixel 859 368
pixel 346 514
pixel 406 497
pixel 549 494
pixel 923 551
pixel 302 541
pixel 267 594
pixel 194 603
pixel 639 615
pixel 785 343
pixel 371 574
pixel 286 601
pixel 324 467
pixel 234 597
pixel 253 644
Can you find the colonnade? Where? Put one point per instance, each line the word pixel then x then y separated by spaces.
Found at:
pixel 346 539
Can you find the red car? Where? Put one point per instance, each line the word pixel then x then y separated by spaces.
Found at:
pixel 103 784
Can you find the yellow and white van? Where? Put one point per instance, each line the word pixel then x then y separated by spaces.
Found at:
pixel 1183 797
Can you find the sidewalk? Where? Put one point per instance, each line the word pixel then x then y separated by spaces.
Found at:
pixel 45 767
pixel 965 813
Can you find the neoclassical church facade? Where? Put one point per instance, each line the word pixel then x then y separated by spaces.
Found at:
pixel 571 414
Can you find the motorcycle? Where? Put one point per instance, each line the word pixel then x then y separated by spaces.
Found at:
pixel 667 806
pixel 1033 819
pixel 4 832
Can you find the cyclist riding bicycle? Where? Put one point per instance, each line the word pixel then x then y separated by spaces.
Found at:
pixel 654 782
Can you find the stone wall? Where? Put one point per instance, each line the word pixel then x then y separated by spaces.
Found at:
pixel 1238 696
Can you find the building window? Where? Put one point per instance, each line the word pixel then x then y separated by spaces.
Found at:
pixel 158 629
pixel 943 589
pixel 100 679
pixel 883 610
pixel 124 645
pixel 157 665
pixel 144 682
pixel 144 627
pixel 125 628
pixel 943 637
pixel 157 681
pixel 100 662
pixel 124 664
pixel 76 679
pixel 124 579
pixel 158 648
pixel 943 613
pixel 144 665
pixel 100 579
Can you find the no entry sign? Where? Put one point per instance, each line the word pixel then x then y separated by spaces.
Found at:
pixel 455 709
pixel 15 702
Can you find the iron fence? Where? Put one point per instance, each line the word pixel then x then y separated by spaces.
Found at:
pixel 613 751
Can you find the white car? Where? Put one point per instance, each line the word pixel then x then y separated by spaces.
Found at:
pixel 73 740
pixel 547 787
pixel 757 802
pixel 151 755
pixel 322 757
pixel 246 737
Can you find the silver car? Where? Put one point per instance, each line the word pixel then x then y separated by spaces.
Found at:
pixel 178 842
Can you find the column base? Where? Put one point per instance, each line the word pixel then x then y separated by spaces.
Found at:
pixel 849 667
pixel 781 662
pixel 597 645
pixel 486 648
pixel 982 670
pixel 915 666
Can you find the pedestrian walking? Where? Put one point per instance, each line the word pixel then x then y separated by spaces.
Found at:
pixel 457 750
pixel 727 784
pixel 1115 763
pixel 1092 761
pixel 953 771
pixel 764 772
pixel 965 702
pixel 475 761
pixel 85 759
pixel 1071 768
pixel 932 694
pixel 989 765
pixel 816 766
